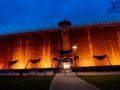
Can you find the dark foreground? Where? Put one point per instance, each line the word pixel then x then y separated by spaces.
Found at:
pixel 25 82
pixel 104 82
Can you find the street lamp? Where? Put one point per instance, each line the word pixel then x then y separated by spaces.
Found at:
pixel 74 49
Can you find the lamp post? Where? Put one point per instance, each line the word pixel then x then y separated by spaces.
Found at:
pixel 74 49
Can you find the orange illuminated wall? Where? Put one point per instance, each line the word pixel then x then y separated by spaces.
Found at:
pixel 95 40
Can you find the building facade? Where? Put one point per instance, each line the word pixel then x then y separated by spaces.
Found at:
pixel 97 45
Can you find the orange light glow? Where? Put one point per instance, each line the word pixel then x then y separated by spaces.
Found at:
pixel 1 65
pixel 88 41
pixel 46 65
pixel 66 65
pixel 20 66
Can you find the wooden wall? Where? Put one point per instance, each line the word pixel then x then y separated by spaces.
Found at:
pixel 97 40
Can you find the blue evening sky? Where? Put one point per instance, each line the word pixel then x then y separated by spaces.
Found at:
pixel 23 15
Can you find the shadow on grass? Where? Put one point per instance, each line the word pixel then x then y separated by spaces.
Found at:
pixel 25 82
pixel 104 82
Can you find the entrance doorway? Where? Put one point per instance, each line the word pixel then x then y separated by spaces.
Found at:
pixel 66 60
pixel 66 64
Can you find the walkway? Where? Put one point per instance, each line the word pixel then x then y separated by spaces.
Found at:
pixel 70 82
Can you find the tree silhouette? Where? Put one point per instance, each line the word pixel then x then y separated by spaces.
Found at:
pixel 115 6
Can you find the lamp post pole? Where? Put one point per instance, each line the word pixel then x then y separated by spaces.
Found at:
pixel 74 49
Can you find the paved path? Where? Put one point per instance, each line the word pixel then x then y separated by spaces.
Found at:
pixel 70 82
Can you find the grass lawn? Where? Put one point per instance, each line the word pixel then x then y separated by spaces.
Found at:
pixel 25 82
pixel 104 82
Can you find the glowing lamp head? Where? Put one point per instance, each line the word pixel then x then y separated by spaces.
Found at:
pixel 74 47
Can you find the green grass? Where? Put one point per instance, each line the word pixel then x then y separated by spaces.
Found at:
pixel 104 82
pixel 25 82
